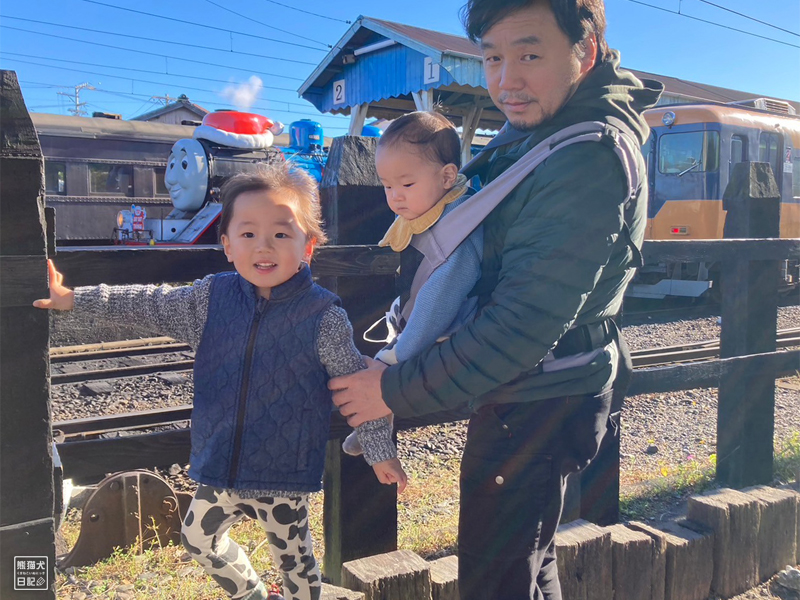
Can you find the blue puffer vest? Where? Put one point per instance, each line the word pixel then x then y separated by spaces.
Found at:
pixel 261 405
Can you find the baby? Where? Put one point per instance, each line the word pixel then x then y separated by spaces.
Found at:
pixel 418 159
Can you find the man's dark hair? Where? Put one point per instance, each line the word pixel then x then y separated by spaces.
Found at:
pixel 576 18
pixel 432 132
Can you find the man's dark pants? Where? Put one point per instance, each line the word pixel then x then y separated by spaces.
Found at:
pixel 513 475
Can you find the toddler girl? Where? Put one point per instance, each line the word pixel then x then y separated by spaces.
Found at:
pixel 267 339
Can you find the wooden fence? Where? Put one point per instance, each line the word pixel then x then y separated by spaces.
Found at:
pixel 364 278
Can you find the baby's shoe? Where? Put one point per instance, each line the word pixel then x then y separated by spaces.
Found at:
pixel 351 445
pixel 275 593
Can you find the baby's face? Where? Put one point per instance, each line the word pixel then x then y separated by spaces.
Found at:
pixel 413 183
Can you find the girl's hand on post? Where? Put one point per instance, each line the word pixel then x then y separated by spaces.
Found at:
pixel 61 298
pixel 391 471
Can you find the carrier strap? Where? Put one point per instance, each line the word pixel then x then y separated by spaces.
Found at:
pixel 439 242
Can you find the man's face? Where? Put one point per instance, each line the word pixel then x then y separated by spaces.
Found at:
pixel 531 67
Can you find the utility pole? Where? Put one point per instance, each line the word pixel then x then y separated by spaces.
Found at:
pixel 76 98
pixel 163 99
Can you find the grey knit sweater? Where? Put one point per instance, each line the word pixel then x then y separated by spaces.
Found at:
pixel 181 313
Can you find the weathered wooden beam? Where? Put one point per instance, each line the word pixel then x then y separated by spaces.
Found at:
pixel 120 265
pixel 708 373
pixel 720 250
pixel 92 459
pixel 27 524
pixel 746 407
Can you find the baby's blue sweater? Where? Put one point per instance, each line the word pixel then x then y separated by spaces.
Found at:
pixel 441 306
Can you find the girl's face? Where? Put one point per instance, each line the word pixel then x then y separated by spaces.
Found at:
pixel 264 240
pixel 413 183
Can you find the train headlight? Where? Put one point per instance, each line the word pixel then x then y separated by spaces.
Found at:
pixel 124 219
pixel 668 119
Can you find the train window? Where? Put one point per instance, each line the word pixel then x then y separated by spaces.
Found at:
pixel 738 149
pixel 115 180
pixel 161 187
pixel 694 151
pixel 769 145
pixel 55 177
pixel 796 175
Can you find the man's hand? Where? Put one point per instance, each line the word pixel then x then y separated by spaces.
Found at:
pixel 358 395
pixel 391 471
pixel 61 298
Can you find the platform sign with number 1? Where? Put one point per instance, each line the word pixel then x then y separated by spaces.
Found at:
pixel 431 71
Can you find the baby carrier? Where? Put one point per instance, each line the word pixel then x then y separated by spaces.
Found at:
pixel 438 243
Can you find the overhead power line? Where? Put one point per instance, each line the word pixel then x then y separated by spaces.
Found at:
pixel 138 37
pixel 204 101
pixel 78 62
pixel 308 12
pixel 62 37
pixel 225 8
pixel 29 62
pixel 129 69
pixel 747 17
pixel 184 21
pixel 680 14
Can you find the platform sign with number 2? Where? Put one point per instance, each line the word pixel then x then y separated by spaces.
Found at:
pixel 338 92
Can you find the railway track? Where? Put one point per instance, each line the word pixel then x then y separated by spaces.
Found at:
pixel 93 427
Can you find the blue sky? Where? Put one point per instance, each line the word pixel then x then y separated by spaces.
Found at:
pixel 650 39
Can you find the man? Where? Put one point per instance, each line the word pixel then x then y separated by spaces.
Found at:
pixel 539 361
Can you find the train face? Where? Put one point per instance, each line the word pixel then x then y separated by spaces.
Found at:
pixel 690 156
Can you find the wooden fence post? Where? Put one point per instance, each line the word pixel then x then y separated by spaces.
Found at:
pixel 360 514
pixel 746 407
pixel 27 536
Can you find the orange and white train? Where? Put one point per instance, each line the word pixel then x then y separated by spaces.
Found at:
pixel 690 156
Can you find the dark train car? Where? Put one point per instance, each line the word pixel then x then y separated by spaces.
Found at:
pixel 690 155
pixel 95 167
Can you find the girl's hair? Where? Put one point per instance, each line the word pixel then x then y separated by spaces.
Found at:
pixel 282 178
pixel 435 135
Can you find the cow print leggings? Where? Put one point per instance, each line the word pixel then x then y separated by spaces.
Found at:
pixel 205 536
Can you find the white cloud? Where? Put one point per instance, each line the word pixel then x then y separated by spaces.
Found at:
pixel 244 95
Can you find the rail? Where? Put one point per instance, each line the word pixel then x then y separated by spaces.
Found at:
pixel 649 357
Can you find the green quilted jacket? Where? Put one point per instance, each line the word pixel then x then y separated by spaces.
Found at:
pixel 555 255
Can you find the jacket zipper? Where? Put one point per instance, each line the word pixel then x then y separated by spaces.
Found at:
pixel 240 413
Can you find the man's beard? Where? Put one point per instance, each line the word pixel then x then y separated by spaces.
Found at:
pixel 544 116
pixel 527 126
pixel 518 124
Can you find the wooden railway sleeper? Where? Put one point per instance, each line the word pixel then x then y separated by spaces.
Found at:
pixel 128 509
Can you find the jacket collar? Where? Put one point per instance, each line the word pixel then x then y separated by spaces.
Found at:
pixel 299 283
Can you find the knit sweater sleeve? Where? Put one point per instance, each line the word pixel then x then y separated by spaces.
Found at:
pixel 179 312
pixel 339 355
pixel 441 298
